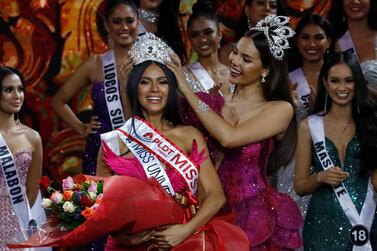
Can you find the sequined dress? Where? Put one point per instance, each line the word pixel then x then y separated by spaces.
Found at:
pixel 217 234
pixel 270 219
pixel 93 142
pixel 326 226
pixel 8 220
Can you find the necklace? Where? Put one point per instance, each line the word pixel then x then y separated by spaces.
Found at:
pixel 148 16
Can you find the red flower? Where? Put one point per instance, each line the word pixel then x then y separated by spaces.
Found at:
pixel 85 201
pixel 79 179
pixel 44 182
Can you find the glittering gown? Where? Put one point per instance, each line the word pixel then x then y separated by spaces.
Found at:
pixel 270 219
pixel 93 142
pixel 326 226
pixel 217 234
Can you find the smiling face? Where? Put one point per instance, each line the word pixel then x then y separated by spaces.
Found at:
pixel 356 10
pixel 245 63
pixel 340 84
pixel 153 90
pixel 312 43
pixel 12 94
pixel 204 36
pixel 122 25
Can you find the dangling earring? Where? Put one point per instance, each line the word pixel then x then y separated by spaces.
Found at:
pixel 263 80
pixel 249 23
pixel 325 107
pixel 358 108
pixel 17 118
pixel 327 51
pixel 110 43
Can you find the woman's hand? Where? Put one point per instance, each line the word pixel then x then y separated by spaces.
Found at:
pixel 170 236
pixel 332 176
pixel 134 239
pixel 91 127
pixel 176 67
pixel 125 69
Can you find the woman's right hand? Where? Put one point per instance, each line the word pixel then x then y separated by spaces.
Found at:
pixel 134 239
pixel 332 176
pixel 90 127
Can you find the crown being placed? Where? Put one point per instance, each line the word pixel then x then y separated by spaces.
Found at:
pixel 277 31
pixel 150 47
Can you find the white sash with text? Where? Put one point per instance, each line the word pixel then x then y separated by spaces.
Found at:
pixel 155 143
pixel 111 89
pixel 369 207
pixel 16 190
pixel 303 90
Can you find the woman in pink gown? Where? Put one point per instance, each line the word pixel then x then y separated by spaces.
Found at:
pixel 256 129
pixel 152 91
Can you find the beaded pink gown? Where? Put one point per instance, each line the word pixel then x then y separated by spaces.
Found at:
pixel 270 219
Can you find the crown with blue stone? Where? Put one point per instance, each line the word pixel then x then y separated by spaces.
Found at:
pixel 150 47
pixel 277 31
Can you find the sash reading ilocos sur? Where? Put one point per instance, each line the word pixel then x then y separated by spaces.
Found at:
pixel 361 224
pixel 111 89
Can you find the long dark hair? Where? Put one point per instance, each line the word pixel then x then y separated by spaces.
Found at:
pixel 204 8
pixel 168 27
pixel 295 59
pixel 242 26
pixel 170 113
pixel 6 71
pixel 276 87
pixel 338 18
pixel 364 111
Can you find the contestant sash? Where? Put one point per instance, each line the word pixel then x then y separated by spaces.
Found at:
pixel 111 89
pixel 146 138
pixel 369 207
pixel 346 45
pixel 303 89
pixel 201 75
pixel 16 191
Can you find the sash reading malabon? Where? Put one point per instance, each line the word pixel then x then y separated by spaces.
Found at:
pixel 15 188
pixel 111 89
pixel 361 223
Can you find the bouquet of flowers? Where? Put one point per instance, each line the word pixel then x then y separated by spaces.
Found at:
pixel 89 207
pixel 77 201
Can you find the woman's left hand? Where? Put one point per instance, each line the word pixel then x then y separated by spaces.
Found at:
pixel 170 236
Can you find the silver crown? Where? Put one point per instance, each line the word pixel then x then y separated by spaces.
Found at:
pixel 150 47
pixel 277 31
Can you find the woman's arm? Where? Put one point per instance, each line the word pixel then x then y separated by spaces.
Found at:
pixel 60 101
pixel 213 200
pixel 272 121
pixel 304 182
pixel 102 169
pixel 35 169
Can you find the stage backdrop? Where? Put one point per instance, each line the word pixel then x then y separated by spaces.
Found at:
pixel 48 39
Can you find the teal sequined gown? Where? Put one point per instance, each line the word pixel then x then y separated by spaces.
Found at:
pixel 326 226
